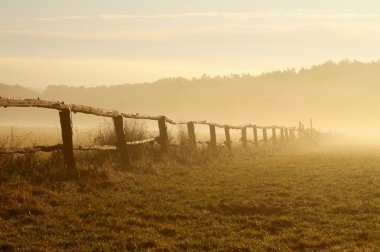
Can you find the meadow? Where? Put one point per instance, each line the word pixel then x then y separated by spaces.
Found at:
pixel 189 125
pixel 273 199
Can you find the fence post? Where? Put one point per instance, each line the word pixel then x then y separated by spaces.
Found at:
pixel 228 137
pixel 265 136
pixel 287 134
pixel 164 139
pixel 255 140
pixel 191 131
pixel 292 134
pixel 282 134
pixel 67 139
pixel 274 136
pixel 212 137
pixel 300 129
pixel 121 141
pixel 244 137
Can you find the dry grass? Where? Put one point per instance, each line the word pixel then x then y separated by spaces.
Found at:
pixel 253 201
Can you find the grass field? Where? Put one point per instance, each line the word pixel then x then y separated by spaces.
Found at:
pixel 326 199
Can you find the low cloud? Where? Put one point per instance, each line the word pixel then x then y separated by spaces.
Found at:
pixel 51 19
pixel 157 34
pixel 325 15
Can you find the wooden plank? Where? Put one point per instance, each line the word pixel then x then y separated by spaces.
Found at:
pixel 96 148
pixel 265 136
pixel 11 102
pixel 59 105
pixel 212 137
pixel 141 117
pixel 67 139
pixel 33 149
pixel 228 138
pixel 121 142
pixel 255 137
pixel 8 102
pixel 244 137
pixel 57 147
pixel 191 131
pixel 217 125
pixel 164 138
pixel 274 135
pixel 145 141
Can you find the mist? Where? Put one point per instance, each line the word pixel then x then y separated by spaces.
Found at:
pixel 340 97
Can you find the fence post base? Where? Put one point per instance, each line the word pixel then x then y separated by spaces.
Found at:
pixel 228 138
pixel 121 141
pixel 164 138
pixel 67 139
pixel 192 138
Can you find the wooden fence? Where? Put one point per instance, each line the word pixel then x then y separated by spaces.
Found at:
pixel 68 148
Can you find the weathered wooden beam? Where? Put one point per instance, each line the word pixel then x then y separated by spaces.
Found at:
pixel 212 137
pixel 67 140
pixel 141 117
pixel 96 148
pixel 274 135
pixel 244 137
pixel 145 141
pixel 228 138
pixel 58 105
pixel 255 137
pixel 121 141
pixel 217 125
pixel 191 131
pixel 265 136
pixel 8 102
pixel 12 102
pixel 33 149
pixel 164 138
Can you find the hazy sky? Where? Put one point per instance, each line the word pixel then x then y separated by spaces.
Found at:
pixel 94 42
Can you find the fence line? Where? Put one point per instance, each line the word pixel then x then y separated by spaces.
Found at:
pixel 65 110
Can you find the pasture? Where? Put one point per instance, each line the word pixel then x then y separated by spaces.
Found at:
pixel 255 200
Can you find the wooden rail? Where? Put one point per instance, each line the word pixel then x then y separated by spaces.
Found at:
pixel 68 148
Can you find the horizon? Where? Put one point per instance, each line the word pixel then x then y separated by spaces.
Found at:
pixel 97 43
pixel 227 75
pixel 340 96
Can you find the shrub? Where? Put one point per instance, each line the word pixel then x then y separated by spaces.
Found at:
pixel 133 130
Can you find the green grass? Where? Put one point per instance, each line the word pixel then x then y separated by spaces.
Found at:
pixel 316 200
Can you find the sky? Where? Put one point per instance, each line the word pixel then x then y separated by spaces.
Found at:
pixel 99 42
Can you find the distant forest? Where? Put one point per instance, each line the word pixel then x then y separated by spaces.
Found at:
pixel 337 95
